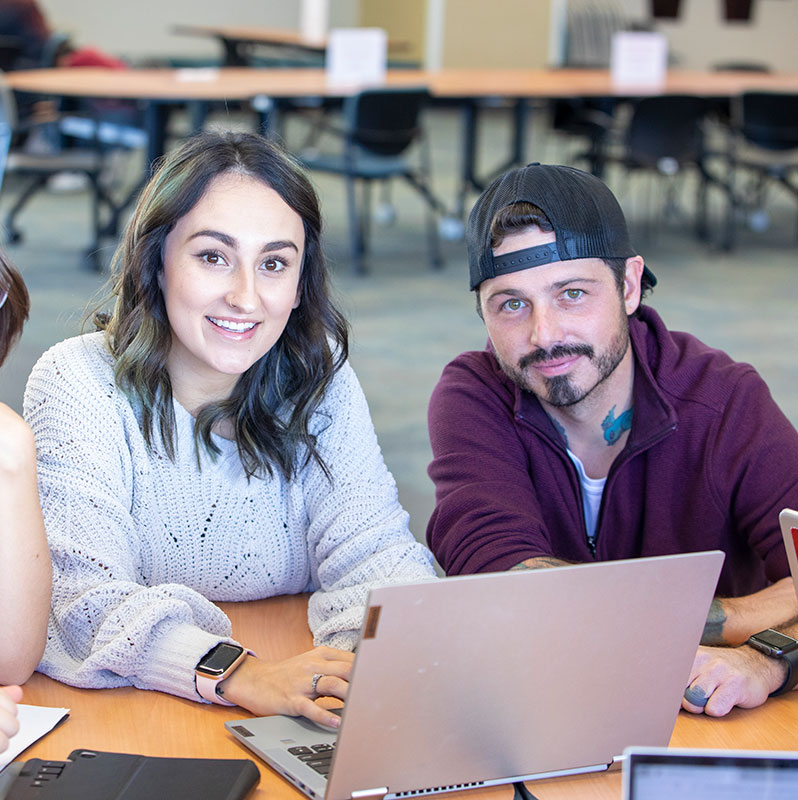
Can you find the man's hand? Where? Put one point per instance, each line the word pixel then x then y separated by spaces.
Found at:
pixel 541 562
pixel 724 677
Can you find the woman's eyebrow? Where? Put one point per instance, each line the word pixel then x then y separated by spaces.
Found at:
pixel 231 241
pixel 280 244
pixel 226 239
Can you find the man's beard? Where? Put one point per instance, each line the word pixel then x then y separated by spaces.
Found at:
pixel 561 391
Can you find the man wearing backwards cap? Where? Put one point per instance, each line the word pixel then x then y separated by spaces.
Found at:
pixel 586 430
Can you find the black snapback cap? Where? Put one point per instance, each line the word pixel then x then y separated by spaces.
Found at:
pixel 587 220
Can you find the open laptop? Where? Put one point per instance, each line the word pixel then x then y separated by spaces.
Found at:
pixel 489 679
pixel 662 774
pixel 789 530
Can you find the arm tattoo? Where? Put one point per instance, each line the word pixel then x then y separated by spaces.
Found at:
pixel 713 629
pixel 614 428
pixel 541 562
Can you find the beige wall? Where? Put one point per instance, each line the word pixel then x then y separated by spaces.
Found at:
pixel 141 29
pixel 700 37
pixel 473 32
pixel 496 33
pixel 405 22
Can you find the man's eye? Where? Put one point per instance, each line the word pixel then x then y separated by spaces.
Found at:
pixel 573 294
pixel 513 304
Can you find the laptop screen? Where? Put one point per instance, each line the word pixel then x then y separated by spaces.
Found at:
pixel 661 774
pixel 789 530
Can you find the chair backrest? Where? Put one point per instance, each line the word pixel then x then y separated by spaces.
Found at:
pixel 589 31
pixel 384 121
pixel 56 45
pixel 768 119
pixel 666 127
pixel 10 49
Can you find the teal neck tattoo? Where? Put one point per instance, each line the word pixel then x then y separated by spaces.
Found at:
pixel 614 428
pixel 560 429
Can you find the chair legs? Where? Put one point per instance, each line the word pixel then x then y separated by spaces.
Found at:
pixel 360 220
pixel 100 198
pixel 434 207
pixel 357 245
pixel 13 233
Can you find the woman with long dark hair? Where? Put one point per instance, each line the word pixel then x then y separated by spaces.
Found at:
pixel 211 442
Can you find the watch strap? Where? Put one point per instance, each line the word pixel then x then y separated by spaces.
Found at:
pixel 790 658
pixel 207 685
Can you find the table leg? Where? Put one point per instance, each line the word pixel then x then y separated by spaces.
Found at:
pixel 470 136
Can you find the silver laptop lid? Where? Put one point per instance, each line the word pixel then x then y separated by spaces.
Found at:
pixel 492 678
pixel 662 774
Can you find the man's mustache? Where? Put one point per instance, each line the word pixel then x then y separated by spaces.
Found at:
pixel 558 351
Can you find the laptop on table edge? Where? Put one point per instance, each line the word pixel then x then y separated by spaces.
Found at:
pixel 653 773
pixel 489 679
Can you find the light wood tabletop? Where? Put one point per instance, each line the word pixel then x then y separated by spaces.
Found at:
pixel 242 83
pixel 255 34
pixel 280 38
pixel 151 723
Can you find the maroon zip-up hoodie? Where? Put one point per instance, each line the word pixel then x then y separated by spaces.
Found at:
pixel 709 463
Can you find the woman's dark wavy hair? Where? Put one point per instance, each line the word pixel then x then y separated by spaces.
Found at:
pixel 272 402
pixel 16 307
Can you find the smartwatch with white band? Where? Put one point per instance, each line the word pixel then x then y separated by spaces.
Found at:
pixel 219 663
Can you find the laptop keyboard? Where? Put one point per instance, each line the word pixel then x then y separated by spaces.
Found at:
pixel 317 756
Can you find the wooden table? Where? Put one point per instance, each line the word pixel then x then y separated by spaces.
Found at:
pixel 151 723
pixel 236 39
pixel 159 89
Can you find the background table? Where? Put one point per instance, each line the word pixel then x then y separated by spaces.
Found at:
pixel 235 39
pixel 152 723
pixel 160 89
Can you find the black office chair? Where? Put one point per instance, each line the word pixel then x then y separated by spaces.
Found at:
pixel 588 120
pixel 722 106
pixel 664 137
pixel 381 129
pixel 36 165
pixel 763 151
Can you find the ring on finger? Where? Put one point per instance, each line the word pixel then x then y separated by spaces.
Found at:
pixel 315 682
pixel 696 695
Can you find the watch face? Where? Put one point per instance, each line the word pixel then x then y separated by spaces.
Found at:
pixel 775 641
pixel 218 660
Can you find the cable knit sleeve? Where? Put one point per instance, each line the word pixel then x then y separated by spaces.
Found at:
pixel 108 627
pixel 358 534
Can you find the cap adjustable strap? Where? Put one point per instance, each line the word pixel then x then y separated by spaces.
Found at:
pixel 524 259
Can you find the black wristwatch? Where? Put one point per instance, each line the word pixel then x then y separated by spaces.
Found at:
pixel 778 645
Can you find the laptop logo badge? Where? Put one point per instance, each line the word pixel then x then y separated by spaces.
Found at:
pixel 372 618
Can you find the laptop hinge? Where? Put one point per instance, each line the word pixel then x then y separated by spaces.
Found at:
pixel 361 794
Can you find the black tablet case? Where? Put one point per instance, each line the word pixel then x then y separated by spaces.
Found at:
pixel 96 775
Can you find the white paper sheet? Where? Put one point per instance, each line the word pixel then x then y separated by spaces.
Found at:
pixel 34 722
pixel 356 56
pixel 639 58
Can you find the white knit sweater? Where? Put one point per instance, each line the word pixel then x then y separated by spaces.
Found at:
pixel 141 545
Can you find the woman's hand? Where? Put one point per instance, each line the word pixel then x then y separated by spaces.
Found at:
pixel 286 687
pixel 9 725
